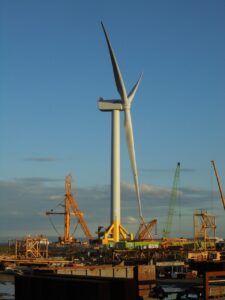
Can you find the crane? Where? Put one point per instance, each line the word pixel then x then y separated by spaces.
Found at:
pixel 144 231
pixel 70 204
pixel 173 198
pixel 219 185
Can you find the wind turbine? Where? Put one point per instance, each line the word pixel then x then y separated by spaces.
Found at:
pixel 116 231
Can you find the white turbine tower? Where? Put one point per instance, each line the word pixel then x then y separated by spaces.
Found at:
pixel 116 231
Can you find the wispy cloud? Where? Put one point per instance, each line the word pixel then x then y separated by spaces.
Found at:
pixel 154 190
pixel 187 170
pixel 130 220
pixel 163 170
pixel 41 159
pixel 17 213
pixel 143 187
pixel 37 180
pixel 55 197
pixel 146 190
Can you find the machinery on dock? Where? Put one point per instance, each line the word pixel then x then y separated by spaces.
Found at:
pixel 71 205
pixel 204 226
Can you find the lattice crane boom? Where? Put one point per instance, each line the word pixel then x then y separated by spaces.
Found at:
pixel 145 230
pixel 70 204
pixel 80 216
pixel 173 198
pixel 219 185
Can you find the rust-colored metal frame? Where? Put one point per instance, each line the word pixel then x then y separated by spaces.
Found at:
pixel 209 275
pixel 203 223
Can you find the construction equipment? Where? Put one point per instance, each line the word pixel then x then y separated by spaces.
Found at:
pixel 29 247
pixel 145 229
pixel 204 224
pixel 173 198
pixel 219 185
pixel 70 204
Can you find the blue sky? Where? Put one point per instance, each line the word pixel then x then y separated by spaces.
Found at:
pixel 54 67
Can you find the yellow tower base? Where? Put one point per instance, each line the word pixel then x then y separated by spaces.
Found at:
pixel 115 233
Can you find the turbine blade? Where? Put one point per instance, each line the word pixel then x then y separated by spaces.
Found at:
pixel 134 90
pixel 116 70
pixel 131 150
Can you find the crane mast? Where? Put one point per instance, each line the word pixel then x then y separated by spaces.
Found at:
pixel 71 205
pixel 76 210
pixel 219 185
pixel 173 198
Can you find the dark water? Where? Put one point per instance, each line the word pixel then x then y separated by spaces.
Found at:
pixel 7 288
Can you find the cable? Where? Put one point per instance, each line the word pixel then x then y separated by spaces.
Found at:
pixel 50 220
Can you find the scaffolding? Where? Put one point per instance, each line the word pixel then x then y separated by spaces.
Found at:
pixel 29 247
pixel 204 226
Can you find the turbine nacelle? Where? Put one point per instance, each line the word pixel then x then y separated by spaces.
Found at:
pixel 109 105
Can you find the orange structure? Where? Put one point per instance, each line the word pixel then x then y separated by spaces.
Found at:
pixel 204 226
pixel 29 247
pixel 144 231
pixel 72 206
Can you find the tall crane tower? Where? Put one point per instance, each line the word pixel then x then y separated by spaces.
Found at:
pixel 219 185
pixel 173 199
pixel 71 205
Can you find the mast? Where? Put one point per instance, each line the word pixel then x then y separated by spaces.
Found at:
pixel 219 185
pixel 71 205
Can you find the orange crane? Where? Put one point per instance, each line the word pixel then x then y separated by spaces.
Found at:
pixel 219 185
pixel 71 205
pixel 144 231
